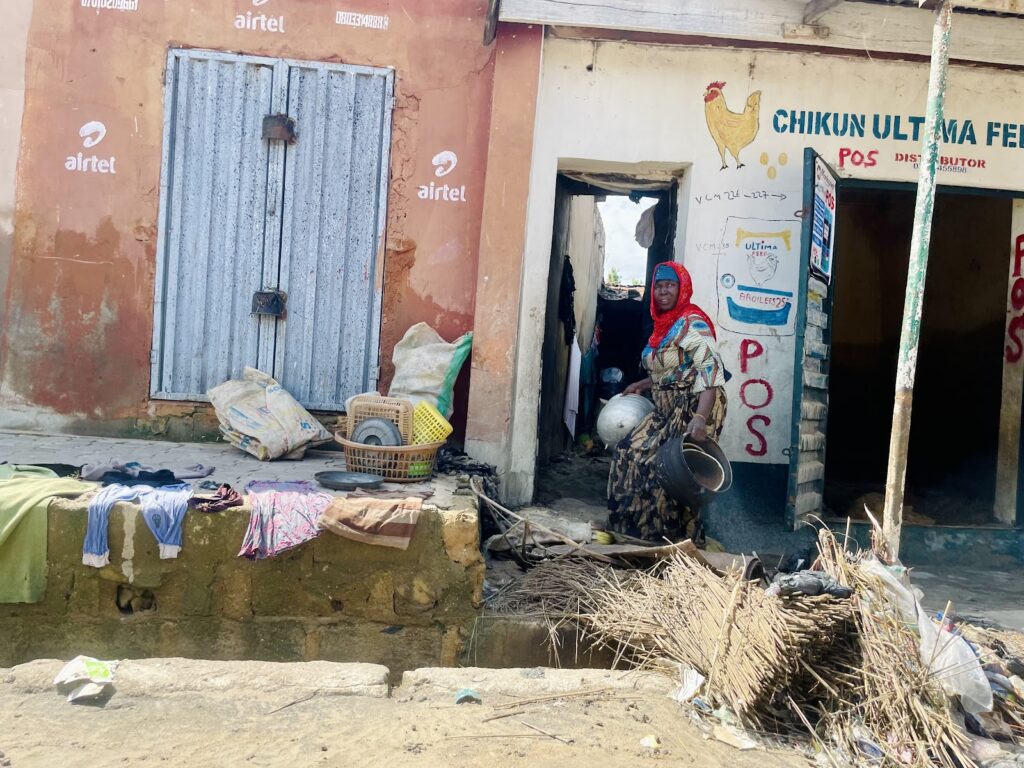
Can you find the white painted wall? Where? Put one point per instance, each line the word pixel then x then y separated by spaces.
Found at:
pixel 643 104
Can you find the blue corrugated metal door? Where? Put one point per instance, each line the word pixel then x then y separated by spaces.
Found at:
pixel 241 213
pixel 334 185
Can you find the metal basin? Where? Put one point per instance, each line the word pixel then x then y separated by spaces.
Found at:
pixel 690 469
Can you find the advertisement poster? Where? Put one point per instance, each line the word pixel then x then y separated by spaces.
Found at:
pixel 758 273
pixel 823 224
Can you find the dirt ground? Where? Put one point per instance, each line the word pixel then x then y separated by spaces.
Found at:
pixel 417 725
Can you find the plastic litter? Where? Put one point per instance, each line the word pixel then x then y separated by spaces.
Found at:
pixel 690 681
pixel 87 677
pixel 733 736
pixel 948 657
pixel 650 741
pixel 468 696
pixel 808 583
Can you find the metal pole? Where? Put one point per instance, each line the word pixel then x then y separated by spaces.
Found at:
pixel 911 331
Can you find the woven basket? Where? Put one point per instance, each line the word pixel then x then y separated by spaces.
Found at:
pixel 428 425
pixel 398 412
pixel 399 464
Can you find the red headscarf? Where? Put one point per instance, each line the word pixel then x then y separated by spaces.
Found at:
pixel 663 321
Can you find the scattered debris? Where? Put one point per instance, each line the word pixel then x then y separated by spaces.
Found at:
pixel 546 733
pixel 88 678
pixel 690 682
pixel 650 741
pixel 734 737
pixel 838 659
pixel 467 696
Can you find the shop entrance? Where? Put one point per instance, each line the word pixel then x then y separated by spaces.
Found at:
pixel 954 443
pixel 609 231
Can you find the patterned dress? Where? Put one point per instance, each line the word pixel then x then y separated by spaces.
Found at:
pixel 685 364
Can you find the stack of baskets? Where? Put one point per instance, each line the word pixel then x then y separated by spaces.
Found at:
pixel 423 429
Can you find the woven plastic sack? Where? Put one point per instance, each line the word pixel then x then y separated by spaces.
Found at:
pixel 426 366
pixel 260 417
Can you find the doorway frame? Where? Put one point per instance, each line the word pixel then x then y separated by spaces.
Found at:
pixel 845 183
pixel 518 457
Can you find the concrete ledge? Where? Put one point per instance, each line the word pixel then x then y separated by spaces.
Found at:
pixel 330 599
pixel 159 678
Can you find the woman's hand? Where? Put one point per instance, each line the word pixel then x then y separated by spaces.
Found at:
pixel 638 386
pixel 698 427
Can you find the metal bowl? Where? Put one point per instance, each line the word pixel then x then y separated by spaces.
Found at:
pixel 348 481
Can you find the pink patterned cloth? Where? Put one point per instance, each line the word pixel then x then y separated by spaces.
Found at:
pixel 284 515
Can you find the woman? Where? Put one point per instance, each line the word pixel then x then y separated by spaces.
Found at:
pixel 687 380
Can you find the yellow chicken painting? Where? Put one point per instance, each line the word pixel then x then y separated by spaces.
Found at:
pixel 732 131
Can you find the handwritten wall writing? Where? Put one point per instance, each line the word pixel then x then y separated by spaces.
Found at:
pixel 737 194
pixel 756 394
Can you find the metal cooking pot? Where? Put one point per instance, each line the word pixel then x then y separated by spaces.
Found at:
pixel 690 469
pixel 620 416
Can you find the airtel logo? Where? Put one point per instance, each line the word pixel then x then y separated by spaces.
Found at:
pixel 444 162
pixel 92 133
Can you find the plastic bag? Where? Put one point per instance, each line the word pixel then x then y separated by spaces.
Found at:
pixel 87 677
pixel 947 656
pixel 426 366
pixel 260 417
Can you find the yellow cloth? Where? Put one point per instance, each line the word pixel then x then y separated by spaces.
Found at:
pixel 23 503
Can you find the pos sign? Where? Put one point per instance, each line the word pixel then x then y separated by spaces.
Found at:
pixel 1015 328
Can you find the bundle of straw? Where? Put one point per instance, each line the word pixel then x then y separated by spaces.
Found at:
pixel 848 671
pixel 898 704
pixel 751 648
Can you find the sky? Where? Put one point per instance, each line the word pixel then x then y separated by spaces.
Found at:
pixel 620 216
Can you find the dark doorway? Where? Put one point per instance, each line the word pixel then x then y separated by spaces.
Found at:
pixel 596 302
pixel 955 428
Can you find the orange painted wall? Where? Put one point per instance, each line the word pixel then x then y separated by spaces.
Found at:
pixel 77 335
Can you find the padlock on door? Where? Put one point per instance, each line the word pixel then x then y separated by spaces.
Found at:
pixel 270 302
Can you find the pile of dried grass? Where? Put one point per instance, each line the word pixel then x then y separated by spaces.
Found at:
pixel 846 670
pixel 893 700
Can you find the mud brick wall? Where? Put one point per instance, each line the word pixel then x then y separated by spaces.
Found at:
pixel 330 599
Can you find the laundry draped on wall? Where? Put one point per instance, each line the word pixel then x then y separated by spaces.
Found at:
pixel 566 308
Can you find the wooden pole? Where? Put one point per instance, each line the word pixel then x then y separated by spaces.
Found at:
pixel 911 331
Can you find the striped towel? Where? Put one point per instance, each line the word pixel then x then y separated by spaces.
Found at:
pixel 384 522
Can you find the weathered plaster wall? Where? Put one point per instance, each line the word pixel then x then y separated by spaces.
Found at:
pixel 330 599
pixel 77 329
pixel 12 101
pixel 643 104
pixel 502 239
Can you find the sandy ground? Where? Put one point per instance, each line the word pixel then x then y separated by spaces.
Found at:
pixel 417 725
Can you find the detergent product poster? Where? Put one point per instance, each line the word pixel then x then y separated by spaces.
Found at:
pixel 823 226
pixel 758 273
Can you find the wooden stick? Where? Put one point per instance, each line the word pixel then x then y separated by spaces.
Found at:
pixel 554 697
pixel 541 730
pixel 299 700
pixel 497 736
pixel 541 528
pixel 501 715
